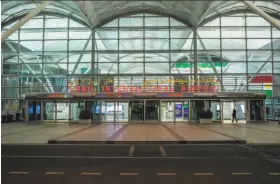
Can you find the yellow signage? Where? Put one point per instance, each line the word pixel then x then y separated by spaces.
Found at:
pixel 148 82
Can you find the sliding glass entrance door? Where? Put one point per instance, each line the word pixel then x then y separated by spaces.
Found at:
pixel 108 114
pixel 121 112
pixel 167 111
pixel 182 111
pixel 137 110
pixel 152 110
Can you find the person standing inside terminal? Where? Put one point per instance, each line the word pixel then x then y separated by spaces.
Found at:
pixel 234 115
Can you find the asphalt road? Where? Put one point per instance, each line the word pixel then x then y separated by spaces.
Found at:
pixel 127 164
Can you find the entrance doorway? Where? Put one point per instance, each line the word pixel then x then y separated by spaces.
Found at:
pixel 137 110
pixel 240 107
pixel 152 110
pixel 257 110
pixel 108 114
pixel 181 111
pixel 34 111
pixel 167 111
pixel 121 110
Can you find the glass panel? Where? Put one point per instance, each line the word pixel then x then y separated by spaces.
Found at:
pixel 62 111
pixel 259 44
pixel 233 21
pixel 152 110
pixel 179 111
pixel 234 111
pixel 49 110
pixel 167 111
pixel 157 21
pixel 76 108
pixel 208 32
pixel 256 21
pixel 256 110
pixel 137 110
pixel 195 107
pixel 109 111
pixel 215 109
pixel 122 111
pixel 233 32
pixel 56 23
pixel 227 111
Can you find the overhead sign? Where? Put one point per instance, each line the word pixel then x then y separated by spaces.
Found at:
pixel 159 88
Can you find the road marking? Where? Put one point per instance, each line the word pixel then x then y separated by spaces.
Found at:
pixel 131 151
pixel 90 173
pixel 18 172
pixel 203 174
pixel 117 157
pixel 162 150
pixel 241 173
pixel 54 173
pixel 128 174
pixel 274 174
pixel 166 174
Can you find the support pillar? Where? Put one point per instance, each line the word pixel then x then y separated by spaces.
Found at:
pixel 195 55
pixel 25 19
pixel 260 12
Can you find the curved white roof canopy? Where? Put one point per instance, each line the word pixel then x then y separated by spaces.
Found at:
pixel 97 13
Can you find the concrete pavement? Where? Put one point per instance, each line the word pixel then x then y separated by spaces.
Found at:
pixel 138 164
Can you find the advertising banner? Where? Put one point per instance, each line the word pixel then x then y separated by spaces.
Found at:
pixel 178 111
pixel 186 111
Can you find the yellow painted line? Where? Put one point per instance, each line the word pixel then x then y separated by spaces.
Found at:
pixel 54 173
pixel 241 173
pixel 128 174
pixel 18 172
pixel 131 151
pixel 274 174
pixel 90 173
pixel 162 150
pixel 166 174
pixel 203 174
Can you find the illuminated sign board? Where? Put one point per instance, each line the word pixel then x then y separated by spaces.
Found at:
pixel 211 88
pixel 146 81
pixel 56 95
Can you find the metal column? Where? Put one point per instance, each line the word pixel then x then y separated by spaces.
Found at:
pixel 25 19
pixel 195 54
pixel 261 13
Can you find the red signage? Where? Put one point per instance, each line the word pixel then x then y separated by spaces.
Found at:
pixel 190 88
pixel 56 95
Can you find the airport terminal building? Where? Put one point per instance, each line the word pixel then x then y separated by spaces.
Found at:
pixel 135 61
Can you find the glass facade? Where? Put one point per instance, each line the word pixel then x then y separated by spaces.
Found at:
pixel 51 54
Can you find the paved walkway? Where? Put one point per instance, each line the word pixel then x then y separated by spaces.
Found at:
pixel 17 133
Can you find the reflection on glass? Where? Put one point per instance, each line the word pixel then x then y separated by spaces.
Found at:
pixel 76 108
pixel 137 110
pixel 152 110
pixel 240 111
pixel 179 111
pixel 167 111
pixel 108 111
pixel 195 107
pixel 186 111
pixel 256 110
pixel 49 110
pixel 62 112
pixel 214 107
pixel 121 111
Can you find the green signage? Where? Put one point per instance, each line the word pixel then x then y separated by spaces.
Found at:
pixel 268 93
